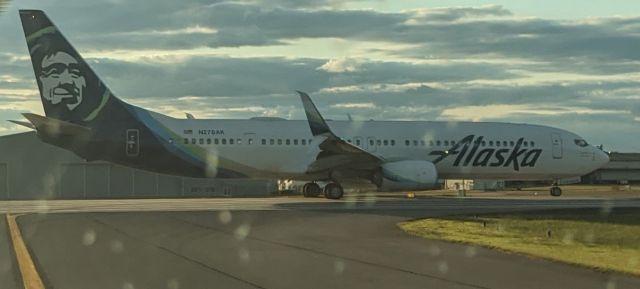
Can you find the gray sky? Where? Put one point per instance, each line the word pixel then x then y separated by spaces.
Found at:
pixel 518 61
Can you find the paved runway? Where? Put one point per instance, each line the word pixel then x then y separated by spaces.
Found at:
pixel 279 243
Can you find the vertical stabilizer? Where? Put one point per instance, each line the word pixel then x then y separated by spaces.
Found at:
pixel 69 89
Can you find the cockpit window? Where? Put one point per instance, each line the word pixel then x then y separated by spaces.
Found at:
pixel 581 142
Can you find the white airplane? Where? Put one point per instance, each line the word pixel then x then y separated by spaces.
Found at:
pixel 83 116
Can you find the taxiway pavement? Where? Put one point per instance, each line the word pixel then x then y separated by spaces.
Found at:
pixel 281 243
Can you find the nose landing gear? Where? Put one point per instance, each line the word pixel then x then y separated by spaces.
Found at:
pixel 555 190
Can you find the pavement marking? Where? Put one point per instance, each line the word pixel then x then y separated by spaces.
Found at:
pixel 30 277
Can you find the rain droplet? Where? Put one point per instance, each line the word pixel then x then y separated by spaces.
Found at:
pixel 470 252
pixel 128 285
pixel 116 246
pixel 89 237
pixel 611 284
pixel 434 250
pixel 339 266
pixel 242 231
pixel 244 255
pixel 224 217
pixel 173 284
pixel 443 267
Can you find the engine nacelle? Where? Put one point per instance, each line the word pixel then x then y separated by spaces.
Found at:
pixel 406 175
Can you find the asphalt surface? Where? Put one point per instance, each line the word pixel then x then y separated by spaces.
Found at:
pixel 279 243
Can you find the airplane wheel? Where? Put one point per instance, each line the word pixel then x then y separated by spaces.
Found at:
pixel 333 191
pixel 311 190
pixel 555 191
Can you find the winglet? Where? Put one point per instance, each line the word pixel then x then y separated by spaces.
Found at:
pixel 316 122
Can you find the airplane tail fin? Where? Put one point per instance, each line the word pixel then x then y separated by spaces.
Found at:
pixel 69 89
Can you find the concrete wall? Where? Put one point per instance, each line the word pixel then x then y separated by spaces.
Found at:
pixel 31 169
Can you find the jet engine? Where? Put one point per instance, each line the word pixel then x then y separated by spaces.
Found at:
pixel 406 175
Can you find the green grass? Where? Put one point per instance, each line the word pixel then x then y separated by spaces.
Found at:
pixel 607 240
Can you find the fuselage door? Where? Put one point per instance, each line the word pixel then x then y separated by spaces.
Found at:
pixel 371 144
pixel 132 143
pixel 357 141
pixel 556 146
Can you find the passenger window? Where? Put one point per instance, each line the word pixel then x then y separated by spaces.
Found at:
pixel 215 141
pixel 295 142
pixel 349 141
pixel 186 141
pixel 526 144
pixel 490 143
pixel 230 141
pixel 250 141
pixel 287 142
pixel 484 143
pixel 304 142
pixel 438 143
pixel 279 141
pixel 430 143
pixel 379 142
pixel 446 142
pixel 224 141
pixel 511 143
pixel 264 141
pixel 498 143
pixel 407 142
pixel 453 142
pixel 371 142
pixel 532 143
pixel 272 142
pixel 358 142
pixel 239 141
pixel 504 143
pixel 193 141
pixel 415 143
pixel 393 142
pixel 422 143
pixel 385 142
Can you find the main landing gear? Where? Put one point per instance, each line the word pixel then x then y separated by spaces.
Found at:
pixel 332 191
pixel 555 190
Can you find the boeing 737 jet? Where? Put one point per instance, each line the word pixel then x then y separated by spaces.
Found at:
pixel 82 115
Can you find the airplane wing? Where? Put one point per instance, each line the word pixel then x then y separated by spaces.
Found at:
pixel 335 153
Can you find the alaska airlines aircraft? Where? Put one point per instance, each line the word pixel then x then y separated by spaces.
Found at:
pixel 83 116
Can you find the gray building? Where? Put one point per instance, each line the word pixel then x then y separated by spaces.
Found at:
pixel 31 169
pixel 623 168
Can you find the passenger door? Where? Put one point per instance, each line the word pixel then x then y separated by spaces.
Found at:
pixel 371 144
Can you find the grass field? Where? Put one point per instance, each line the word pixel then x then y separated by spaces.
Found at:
pixel 607 240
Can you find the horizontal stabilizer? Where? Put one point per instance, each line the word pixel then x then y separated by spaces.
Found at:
pixel 23 123
pixel 55 127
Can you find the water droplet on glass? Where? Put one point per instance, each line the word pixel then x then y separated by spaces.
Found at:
pixel 339 267
pixel 470 252
pixel 443 267
pixel 89 237
pixel 173 284
pixel 434 250
pixel 244 255
pixel 242 231
pixel 224 217
pixel 116 246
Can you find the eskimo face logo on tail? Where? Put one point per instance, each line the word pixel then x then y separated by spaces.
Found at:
pixel 467 152
pixel 61 80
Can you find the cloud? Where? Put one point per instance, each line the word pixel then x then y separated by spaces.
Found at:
pixel 238 59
